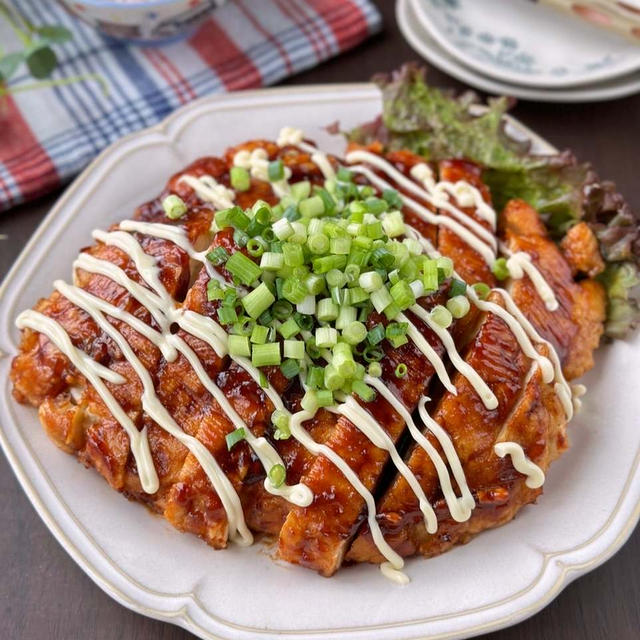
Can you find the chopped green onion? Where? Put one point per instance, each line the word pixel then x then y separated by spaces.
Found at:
pixel 343 360
pixel 214 290
pixel 264 381
pixel 326 337
pixel 332 379
pixel 234 437
pixel 326 263
pixel 393 224
pixel 240 179
pixel 258 300
pixel 240 238
pixel 430 275
pixel 324 397
pixel 373 354
pixel 289 329
pixel 293 349
pixel 239 346
pixel 374 370
pixel 174 207
pixel 441 316
pixel 362 389
pixel 346 316
pixel 227 315
pixel 259 334
pixel 315 284
pixel 271 261
pixel 243 268
pixel 376 335
pixel 402 294
pixel 376 205
pixel 370 281
pixel 458 306
pixel 327 310
pixel 293 255
pixel 340 246
pixel 300 190
pixel 282 229
pixel 282 309
pixel 217 256
pixel 401 370
pixel 381 298
pixel 263 355
pixel 482 290
pixel 277 475
pixel 445 264
pixel 311 207
pixel 382 258
pixel 294 290
pixel 500 269
pixel 309 401
pixel 355 332
pixel 344 175
pixel 255 248
pixel 275 170
pixel 318 243
pixel 232 217
pixel 281 421
pixel 457 288
pixel 290 369
pixel 315 377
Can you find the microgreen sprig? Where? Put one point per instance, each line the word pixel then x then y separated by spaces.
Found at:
pixel 38 54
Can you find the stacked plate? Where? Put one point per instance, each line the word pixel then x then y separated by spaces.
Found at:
pixel 522 49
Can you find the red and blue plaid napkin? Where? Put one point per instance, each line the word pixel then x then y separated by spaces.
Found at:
pixel 49 135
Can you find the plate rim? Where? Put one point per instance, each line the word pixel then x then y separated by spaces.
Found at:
pixel 509 77
pixel 438 57
pixel 181 611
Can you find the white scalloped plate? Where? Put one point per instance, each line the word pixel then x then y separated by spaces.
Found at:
pixel 494 38
pixel 590 506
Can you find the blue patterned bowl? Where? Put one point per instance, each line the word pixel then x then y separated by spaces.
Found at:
pixel 142 21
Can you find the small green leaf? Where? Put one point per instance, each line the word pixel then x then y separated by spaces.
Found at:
pixel 9 65
pixel 42 61
pixel 54 34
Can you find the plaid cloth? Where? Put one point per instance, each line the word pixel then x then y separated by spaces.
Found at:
pixel 48 135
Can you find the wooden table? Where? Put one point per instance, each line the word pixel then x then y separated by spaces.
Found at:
pixel 44 595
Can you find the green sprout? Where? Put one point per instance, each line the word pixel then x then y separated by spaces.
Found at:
pixel 38 54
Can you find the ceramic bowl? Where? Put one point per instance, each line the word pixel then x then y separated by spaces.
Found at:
pixel 144 21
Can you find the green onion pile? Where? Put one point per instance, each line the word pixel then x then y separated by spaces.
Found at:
pixel 316 266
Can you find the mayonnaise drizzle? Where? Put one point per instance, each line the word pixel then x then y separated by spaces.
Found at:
pixel 535 475
pixel 169 344
pixel 436 361
pixel 487 252
pixel 520 263
pixel 460 508
pixel 302 436
pixel 437 197
pixel 367 424
pixel 466 194
pixel 207 188
pixel 95 373
pixel 487 396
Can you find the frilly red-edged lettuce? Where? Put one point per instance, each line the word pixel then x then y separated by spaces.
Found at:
pixel 439 126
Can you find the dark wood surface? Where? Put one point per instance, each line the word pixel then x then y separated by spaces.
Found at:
pixel 44 595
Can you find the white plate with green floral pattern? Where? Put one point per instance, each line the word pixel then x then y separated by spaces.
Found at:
pixel 527 44
pixel 422 42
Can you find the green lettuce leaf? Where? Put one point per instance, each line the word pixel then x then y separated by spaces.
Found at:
pixel 439 126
